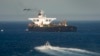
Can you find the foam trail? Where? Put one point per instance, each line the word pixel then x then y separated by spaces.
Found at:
pixel 60 51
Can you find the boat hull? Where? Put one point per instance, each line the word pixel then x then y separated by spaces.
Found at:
pixel 54 29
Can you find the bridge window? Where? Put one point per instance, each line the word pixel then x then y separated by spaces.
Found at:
pixel 46 20
pixel 36 20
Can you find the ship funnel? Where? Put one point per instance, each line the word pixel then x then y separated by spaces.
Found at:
pixel 40 12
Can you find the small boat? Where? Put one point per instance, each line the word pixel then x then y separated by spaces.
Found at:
pixel 44 47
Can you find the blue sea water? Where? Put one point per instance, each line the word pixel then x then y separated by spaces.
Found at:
pixel 16 41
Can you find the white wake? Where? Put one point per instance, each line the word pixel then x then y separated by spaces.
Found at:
pixel 61 51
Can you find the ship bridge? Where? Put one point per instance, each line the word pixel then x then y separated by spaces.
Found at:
pixel 41 19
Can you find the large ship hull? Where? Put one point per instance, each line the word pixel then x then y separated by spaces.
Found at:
pixel 53 29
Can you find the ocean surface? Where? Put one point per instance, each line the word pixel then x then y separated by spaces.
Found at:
pixel 16 41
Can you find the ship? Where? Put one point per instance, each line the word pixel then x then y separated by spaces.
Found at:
pixel 45 24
